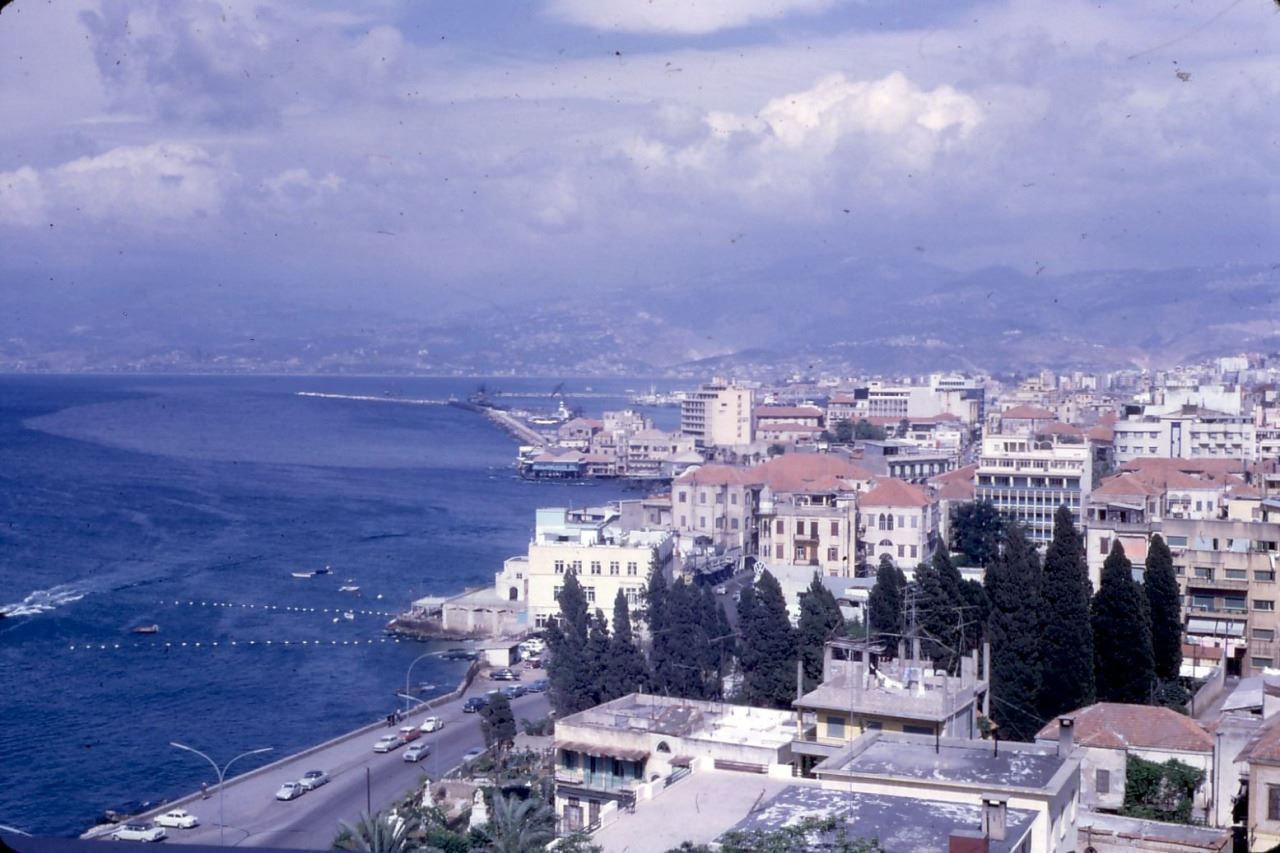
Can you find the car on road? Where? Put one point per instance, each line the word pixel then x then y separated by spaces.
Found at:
pixel 386 743
pixel 431 724
pixel 503 674
pixel 178 819
pixel 514 691
pixel 539 686
pixel 140 832
pixel 313 779
pixel 472 754
pixel 290 791
pixel 474 704
pixel 416 752
pixel 408 733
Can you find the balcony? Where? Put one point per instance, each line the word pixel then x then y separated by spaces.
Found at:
pixel 1232 584
pixel 602 782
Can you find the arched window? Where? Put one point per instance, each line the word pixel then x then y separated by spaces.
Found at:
pixel 890 517
pixel 663 747
pixel 514 594
pixel 886 544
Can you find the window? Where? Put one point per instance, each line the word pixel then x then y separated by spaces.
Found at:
pixel 833 554
pixel 915 522
pixel 591 593
pixel 1103 783
pixel 559 567
pixel 719 497
pixel 1265 575
pixel 1204 573
pixel 835 528
pixel 871 522
pixel 777 551
pixel 835 727
pixel 913 551
pixel 1265 635
pixel 684 521
pixel 555 592
pixel 631 568
pixel 917 730
pixel 576 565
pixel 1264 604
pixel 779 527
pixel 1237 574
pixel 702 521
pixel 1104 545
pixel 733 523
pixel 902 521
pixel 902 550
pixel 684 496
pixel 733 498
pixel 615 568
pixel 595 567
pixel 702 497
pixel 1262 663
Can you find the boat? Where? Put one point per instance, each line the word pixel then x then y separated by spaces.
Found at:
pixel 303 574
pixel 147 629
pixel 325 571
pixel 349 616
pixel 349 588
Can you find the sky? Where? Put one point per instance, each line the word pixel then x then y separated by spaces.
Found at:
pixel 436 152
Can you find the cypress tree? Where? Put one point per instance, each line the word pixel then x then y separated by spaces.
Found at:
pixel 977 529
pixel 1124 669
pixel 769 647
pixel 655 616
pixel 884 605
pixel 1165 608
pixel 1013 590
pixel 940 609
pixel 1066 640
pixel 596 662
pixel 682 669
pixel 572 686
pixel 625 667
pixel 820 620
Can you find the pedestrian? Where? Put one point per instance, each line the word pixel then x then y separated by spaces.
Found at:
pixel 204 790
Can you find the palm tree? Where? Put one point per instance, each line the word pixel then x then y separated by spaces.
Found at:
pixel 518 825
pixel 380 833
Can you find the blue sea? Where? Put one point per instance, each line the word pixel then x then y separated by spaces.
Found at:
pixel 186 502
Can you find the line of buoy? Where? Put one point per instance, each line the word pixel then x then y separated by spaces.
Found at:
pixel 281 607
pixel 215 644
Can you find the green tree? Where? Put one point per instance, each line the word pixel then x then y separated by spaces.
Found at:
pixel 1160 791
pixel 498 723
pixel 864 430
pixel 769 650
pixel 380 833
pixel 976 528
pixel 517 826
pixel 568 670
pixel 884 605
pixel 1124 668
pixel 1166 612
pixel 625 668
pixel 682 653
pixel 596 658
pixel 1066 639
pixel 844 432
pixel 820 620
pixel 1013 589
pixel 941 610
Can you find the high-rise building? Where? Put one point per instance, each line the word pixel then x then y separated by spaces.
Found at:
pixel 718 414
pixel 1027 478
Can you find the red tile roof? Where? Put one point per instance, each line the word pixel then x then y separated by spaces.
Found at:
pixel 891 492
pixel 1125 485
pixel 1029 413
pixel 1115 725
pixel 717 475
pixel 788 412
pixel 1058 428
pixel 955 485
pixel 1264 747
pixel 808 472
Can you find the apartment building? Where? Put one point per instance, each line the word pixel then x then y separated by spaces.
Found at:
pixel 593 544
pixel 808 512
pixel 718 414
pixel 1028 478
pixel 768 416
pixel 717 502
pixel 1188 432
pixel 899 521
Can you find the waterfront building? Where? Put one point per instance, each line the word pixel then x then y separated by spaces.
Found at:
pixel 718 414
pixel 1027 478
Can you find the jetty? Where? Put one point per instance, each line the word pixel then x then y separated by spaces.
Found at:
pixel 513 425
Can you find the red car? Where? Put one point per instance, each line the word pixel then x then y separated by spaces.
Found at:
pixel 408 733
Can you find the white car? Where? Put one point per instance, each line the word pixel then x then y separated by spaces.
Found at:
pixel 416 752
pixel 533 646
pixel 140 832
pixel 386 743
pixel 290 791
pixel 431 724
pixel 178 819
pixel 313 779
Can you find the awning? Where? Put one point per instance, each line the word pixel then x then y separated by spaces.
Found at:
pixel 681 761
pixel 1215 627
pixel 603 750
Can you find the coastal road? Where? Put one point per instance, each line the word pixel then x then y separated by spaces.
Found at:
pixel 255 818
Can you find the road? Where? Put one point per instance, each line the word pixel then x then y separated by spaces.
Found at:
pixel 255 818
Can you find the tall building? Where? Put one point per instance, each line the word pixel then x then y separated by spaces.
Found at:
pixel 718 414
pixel 1027 478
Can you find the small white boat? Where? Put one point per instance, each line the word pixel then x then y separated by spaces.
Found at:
pixel 303 574
pixel 349 588
pixel 349 616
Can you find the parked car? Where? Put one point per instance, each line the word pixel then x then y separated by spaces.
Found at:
pixel 722 590
pixel 408 733
pixel 416 752
pixel 290 791
pixel 533 646
pixel 140 832
pixel 514 691
pixel 503 674
pixel 386 743
pixel 535 663
pixel 313 779
pixel 431 724
pixel 472 754
pixel 178 819
pixel 538 686
pixel 474 704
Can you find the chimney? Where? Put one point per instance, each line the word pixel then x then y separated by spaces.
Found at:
pixel 995 816
pixel 1066 735
pixel 967 841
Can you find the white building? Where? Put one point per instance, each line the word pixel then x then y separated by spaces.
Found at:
pixel 900 521
pixel 1186 432
pixel 718 414
pixel 1028 478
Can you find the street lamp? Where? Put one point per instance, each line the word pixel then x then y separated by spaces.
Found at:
pixel 407 695
pixel 222 775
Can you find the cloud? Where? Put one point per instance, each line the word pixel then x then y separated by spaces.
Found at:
pixel 22 198
pixel 679 17
pixel 150 183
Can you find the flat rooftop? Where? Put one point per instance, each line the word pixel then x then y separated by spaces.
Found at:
pixel 964 762
pixel 899 824
pixel 689 718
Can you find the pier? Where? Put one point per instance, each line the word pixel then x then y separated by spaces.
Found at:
pixel 513 425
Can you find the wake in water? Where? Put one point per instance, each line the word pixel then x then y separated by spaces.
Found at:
pixel 372 399
pixel 42 601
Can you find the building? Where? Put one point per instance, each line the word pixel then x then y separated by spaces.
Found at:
pixel 593 544
pixel 716 502
pixel 1262 757
pixel 631 749
pixel 1107 733
pixel 1025 420
pixel 1028 478
pixel 770 416
pixel 1186 432
pixel 900 521
pixel 718 414
pixel 863 691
